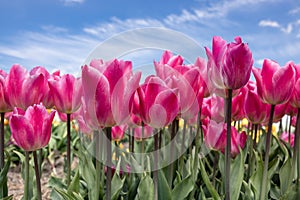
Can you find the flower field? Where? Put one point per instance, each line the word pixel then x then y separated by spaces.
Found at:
pixel 205 130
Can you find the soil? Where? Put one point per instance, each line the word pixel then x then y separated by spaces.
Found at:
pixel 16 183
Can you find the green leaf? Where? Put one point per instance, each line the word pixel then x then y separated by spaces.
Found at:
pixel 3 175
pixel 10 197
pixel 186 185
pixel 236 173
pixel 207 182
pixel 164 192
pixel 145 190
pixel 68 195
pixel 88 172
pixel 116 186
pixel 285 177
pixel 255 179
pixel 74 186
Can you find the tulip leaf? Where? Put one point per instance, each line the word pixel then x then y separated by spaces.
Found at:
pixel 88 172
pixel 236 173
pixel 285 176
pixel 145 190
pixel 186 185
pixel 3 175
pixel 74 186
pixel 67 195
pixel 116 186
pixel 207 182
pixel 164 191
pixel 255 179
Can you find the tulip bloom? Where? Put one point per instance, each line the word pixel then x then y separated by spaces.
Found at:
pixel 31 129
pixel 186 78
pixel 4 101
pixel 285 137
pixel 295 99
pixel 117 132
pixel 274 83
pixel 67 93
pixel 108 89
pixel 215 138
pixel 229 65
pixel 238 105
pixel 158 103
pixel 24 89
pixel 253 104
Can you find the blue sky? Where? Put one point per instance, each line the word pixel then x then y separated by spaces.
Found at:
pixel 60 34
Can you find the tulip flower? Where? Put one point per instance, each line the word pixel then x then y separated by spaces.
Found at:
pixel 4 108
pixel 108 89
pixel 118 132
pixel 252 104
pixel 158 103
pixel 186 78
pixel 229 68
pixel 229 65
pixel 66 92
pixel 215 137
pixel 274 83
pixel 274 86
pixel 19 82
pixel 138 135
pixel 288 138
pixel 31 130
pixel 238 105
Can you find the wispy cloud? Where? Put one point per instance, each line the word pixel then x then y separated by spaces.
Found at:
pixel 72 2
pixel 294 11
pixel 275 24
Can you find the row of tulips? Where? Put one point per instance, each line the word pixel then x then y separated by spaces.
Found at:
pixel 108 96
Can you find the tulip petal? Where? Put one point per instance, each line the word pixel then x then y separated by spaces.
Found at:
pixel 22 132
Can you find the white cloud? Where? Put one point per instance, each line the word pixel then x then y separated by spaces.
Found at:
pixel 294 11
pixel 274 24
pixel 269 23
pixel 71 2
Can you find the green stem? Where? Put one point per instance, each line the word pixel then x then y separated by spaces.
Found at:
pixel 108 164
pixel 263 194
pixel 182 145
pixel 37 176
pixel 4 186
pixel 132 141
pixel 296 160
pixel 228 144
pixel 68 149
pixel 98 164
pixel 155 172
pixel 26 184
pixel 173 134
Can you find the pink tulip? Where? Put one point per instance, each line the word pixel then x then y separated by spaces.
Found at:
pixel 201 63
pixel 217 108
pixel 31 129
pixel 229 65
pixel 158 103
pixel 206 108
pixel 186 78
pixel 67 93
pixel 148 132
pixel 238 105
pixel 108 90
pixel 4 96
pixel 117 132
pixel 24 89
pixel 285 137
pixel 48 100
pixel 255 110
pixel 295 99
pixel 215 138
pixel 274 83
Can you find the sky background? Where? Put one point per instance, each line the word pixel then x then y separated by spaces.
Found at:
pixel 60 34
